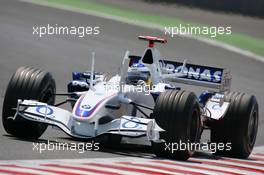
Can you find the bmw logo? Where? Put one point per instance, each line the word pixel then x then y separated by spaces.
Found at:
pixel 216 106
pixel 86 106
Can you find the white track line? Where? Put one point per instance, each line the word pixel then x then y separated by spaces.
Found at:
pixel 169 168
pixel 135 169
pixel 94 168
pixel 18 170
pixel 211 168
pixel 133 165
pixel 151 26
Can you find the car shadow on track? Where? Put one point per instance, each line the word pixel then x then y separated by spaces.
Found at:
pixel 140 151
pixel 128 150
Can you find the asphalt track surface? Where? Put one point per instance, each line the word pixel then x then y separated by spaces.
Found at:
pixel 63 54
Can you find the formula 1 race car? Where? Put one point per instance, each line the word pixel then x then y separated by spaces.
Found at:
pixel 143 101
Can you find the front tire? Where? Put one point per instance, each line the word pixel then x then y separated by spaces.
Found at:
pixel 238 127
pixel 178 113
pixel 27 83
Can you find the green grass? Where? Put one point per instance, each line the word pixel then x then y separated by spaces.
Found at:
pixel 239 40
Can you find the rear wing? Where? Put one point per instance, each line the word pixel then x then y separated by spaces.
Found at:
pixel 211 77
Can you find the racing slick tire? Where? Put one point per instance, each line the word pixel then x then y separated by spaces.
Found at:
pixel 238 127
pixel 178 113
pixel 27 83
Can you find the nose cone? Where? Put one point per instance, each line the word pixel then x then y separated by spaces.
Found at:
pixel 91 103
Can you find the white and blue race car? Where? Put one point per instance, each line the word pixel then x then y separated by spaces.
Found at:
pixel 142 101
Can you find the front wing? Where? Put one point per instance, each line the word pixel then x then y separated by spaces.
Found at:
pixel 129 126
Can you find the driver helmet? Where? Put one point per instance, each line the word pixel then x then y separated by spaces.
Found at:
pixel 138 74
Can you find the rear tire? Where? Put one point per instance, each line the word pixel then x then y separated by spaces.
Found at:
pixel 178 113
pixel 27 83
pixel 238 127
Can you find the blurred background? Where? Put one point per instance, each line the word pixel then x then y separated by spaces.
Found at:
pixel 244 7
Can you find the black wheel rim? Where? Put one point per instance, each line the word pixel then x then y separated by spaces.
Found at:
pixel 195 125
pixel 47 96
pixel 252 127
